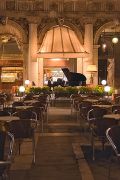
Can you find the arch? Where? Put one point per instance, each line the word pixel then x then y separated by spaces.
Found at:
pixel 61 41
pixel 43 31
pixel 106 25
pixel 15 30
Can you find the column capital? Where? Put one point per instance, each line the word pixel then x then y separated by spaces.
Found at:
pixel 88 20
pixel 33 20
pixel 96 46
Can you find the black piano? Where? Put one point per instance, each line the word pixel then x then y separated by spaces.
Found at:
pixel 74 79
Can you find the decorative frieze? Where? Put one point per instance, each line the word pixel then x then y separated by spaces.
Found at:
pixel 61 5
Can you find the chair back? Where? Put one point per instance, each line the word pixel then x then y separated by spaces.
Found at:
pixel 100 125
pixel 6 152
pixel 113 136
pixel 22 128
pixel 4 113
pixel 18 103
pixel 25 114
pixel 6 145
pixel 84 107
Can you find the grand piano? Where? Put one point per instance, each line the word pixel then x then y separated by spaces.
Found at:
pixel 74 79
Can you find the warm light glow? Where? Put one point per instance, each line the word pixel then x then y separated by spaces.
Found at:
pixel 103 82
pixel 21 89
pixel 107 88
pixel 61 42
pixel 104 46
pixel 92 68
pixel 115 40
pixel 27 82
pixel 56 59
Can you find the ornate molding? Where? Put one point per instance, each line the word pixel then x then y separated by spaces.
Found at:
pixel 61 6
pixel 23 22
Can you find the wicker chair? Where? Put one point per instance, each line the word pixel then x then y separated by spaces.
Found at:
pixel 6 152
pixel 98 126
pixel 113 136
pixel 23 129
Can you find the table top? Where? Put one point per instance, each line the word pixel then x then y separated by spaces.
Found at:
pixel 23 107
pixel 8 118
pixel 91 100
pixel 103 105
pixel 30 101
pixel 112 116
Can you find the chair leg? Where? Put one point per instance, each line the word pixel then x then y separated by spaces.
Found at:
pixel 93 146
pixel 19 144
pixel 34 158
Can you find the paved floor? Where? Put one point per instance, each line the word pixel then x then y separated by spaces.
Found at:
pixel 59 155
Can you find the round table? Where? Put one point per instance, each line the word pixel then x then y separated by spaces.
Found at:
pixel 105 106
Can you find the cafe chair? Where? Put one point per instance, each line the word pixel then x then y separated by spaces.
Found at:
pixel 113 136
pixel 23 129
pixel 28 96
pixel 116 111
pixel 104 102
pixel 84 107
pixel 10 110
pixel 18 103
pixel 4 113
pixel 117 100
pixel 40 115
pixel 26 114
pixel 98 126
pixel 6 153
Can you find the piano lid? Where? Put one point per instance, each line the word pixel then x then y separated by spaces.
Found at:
pixel 73 76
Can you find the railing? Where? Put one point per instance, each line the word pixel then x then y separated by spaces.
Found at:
pixel 61 5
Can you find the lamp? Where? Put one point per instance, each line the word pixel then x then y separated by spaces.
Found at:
pixel 107 89
pixel 104 45
pixel 115 38
pixel 27 82
pixel 22 90
pixel 103 82
pixel 92 68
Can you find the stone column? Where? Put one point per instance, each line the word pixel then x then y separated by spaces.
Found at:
pixel 25 62
pixel 88 45
pixel 40 72
pixel 95 61
pixel 0 73
pixel 32 60
pixel 80 65
pixel 88 41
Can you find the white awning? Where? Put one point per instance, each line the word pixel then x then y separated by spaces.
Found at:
pixel 61 42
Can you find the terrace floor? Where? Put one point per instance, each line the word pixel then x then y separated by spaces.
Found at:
pixel 59 152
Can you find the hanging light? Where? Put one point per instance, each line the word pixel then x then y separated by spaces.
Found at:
pixel 104 45
pixel 115 40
